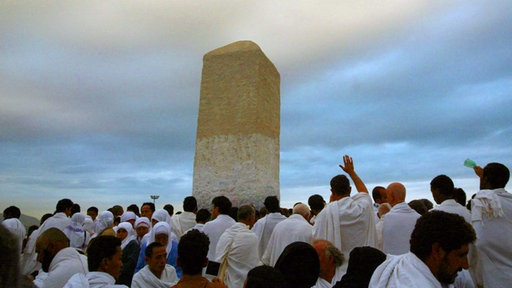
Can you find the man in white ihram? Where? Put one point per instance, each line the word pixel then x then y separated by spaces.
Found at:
pixel 237 249
pixel 265 226
pixel 292 229
pixel 491 216
pixel 399 221
pixel 439 246
pixel 186 220
pixel 347 222
pixel 157 273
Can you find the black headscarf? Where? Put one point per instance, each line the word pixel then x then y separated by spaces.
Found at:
pixel 362 263
pixel 299 264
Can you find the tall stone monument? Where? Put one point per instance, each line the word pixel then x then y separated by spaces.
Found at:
pixel 237 144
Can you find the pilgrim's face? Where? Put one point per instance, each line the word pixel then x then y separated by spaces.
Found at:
pixel 113 265
pixel 158 260
pixel 121 233
pixel 142 230
pixel 145 211
pixel 162 238
pixel 452 263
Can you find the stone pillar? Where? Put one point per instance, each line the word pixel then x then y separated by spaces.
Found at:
pixel 237 143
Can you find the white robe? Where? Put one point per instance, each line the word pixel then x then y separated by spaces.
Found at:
pixel 239 245
pixel 182 222
pixel 64 265
pixel 491 264
pixel 264 228
pixel 59 220
pixel 347 223
pixel 145 278
pixel 28 260
pixel 398 225
pixel 17 228
pixel 404 270
pixel 451 206
pixel 214 229
pixel 294 228
pixel 93 280
pixel 198 226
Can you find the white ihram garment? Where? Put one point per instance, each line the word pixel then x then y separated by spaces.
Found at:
pixel 146 279
pixel 294 228
pixel 264 228
pixel 239 246
pixel 347 223
pixel 398 225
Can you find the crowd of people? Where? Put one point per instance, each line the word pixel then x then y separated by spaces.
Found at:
pixel 356 240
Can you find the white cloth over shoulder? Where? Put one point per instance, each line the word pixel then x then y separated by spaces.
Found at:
pixel 491 263
pixel 264 228
pixel 198 226
pixel 404 270
pixel 64 265
pixel 92 280
pixel 182 222
pixel 294 228
pixel 347 223
pixel 146 279
pixel 17 229
pixel 214 229
pixel 239 245
pixel 451 206
pixel 398 225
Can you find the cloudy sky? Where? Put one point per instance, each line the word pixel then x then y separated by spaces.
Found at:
pixel 99 99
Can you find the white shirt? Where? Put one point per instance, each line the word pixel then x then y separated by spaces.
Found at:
pixel 451 206
pixel 404 270
pixel 294 228
pixel 213 229
pixel 65 264
pixel 92 280
pixel 145 278
pixel 264 228
pixel 491 264
pixel 239 246
pixel 347 223
pixel 398 225
pixel 182 222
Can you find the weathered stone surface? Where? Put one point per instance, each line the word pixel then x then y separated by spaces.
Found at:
pixel 237 144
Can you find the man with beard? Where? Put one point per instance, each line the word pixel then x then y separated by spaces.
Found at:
pixel 439 250
pixel 58 259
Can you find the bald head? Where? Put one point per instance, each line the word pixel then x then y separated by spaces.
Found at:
pixel 48 244
pixel 396 193
pixel 302 209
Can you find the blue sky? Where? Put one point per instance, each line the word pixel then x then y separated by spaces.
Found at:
pixel 99 99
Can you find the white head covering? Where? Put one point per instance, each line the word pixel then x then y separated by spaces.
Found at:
pixel 162 215
pixel 89 224
pixel 144 221
pixel 104 220
pixel 75 231
pixel 128 215
pixel 131 233
pixel 161 228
